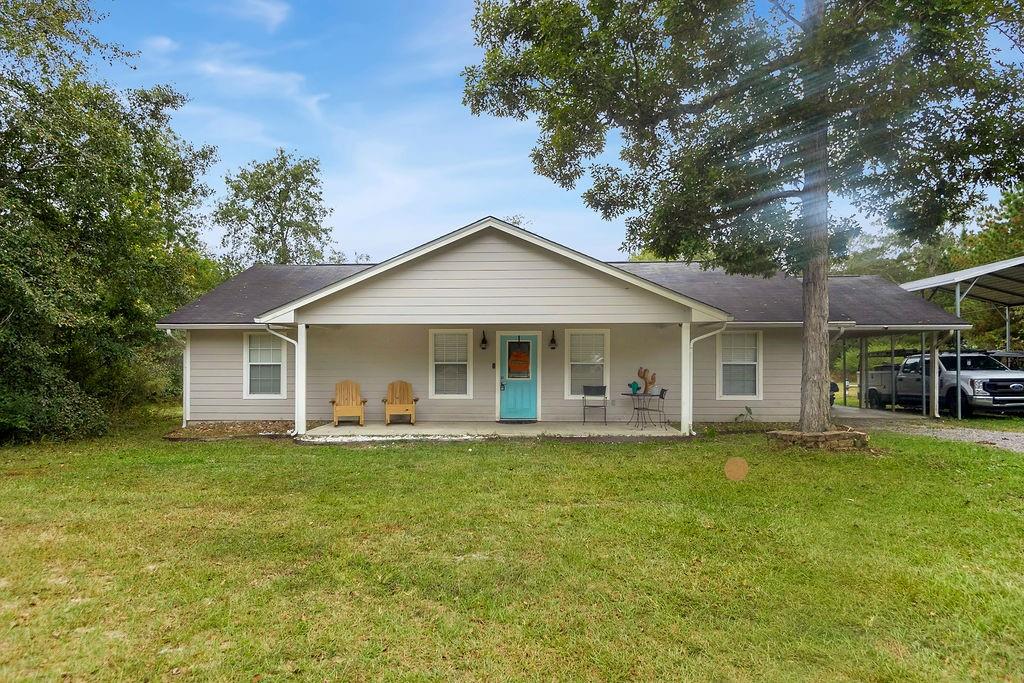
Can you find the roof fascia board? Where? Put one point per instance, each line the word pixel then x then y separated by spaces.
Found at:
pixel 851 325
pixel 274 315
pixel 210 326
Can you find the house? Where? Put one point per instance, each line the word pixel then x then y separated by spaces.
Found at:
pixel 451 315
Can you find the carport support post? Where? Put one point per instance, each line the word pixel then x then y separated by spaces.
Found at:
pixel 1007 311
pixel 933 384
pixel 300 380
pixel 959 408
pixel 686 380
pixel 892 373
pixel 924 400
pixel 844 371
pixel 862 389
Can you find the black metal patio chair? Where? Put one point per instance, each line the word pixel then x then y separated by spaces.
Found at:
pixel 592 392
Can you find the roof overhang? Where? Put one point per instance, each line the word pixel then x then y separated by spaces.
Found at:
pixel 281 313
pixel 210 326
pixel 853 326
pixel 1000 283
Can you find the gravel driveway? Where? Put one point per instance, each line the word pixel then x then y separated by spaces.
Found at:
pixel 1011 441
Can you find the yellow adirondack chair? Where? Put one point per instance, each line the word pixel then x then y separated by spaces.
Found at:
pixel 400 401
pixel 348 402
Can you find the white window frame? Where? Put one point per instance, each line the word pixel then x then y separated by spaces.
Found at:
pixel 759 376
pixel 567 337
pixel 245 368
pixel 431 366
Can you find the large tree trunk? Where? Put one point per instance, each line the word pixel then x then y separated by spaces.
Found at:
pixel 814 372
pixel 814 375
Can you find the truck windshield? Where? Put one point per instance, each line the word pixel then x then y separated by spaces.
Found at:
pixel 972 363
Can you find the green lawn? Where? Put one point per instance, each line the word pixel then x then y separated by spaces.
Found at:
pixel 129 557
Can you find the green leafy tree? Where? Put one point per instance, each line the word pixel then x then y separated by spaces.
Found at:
pixel 1000 236
pixel 735 123
pixel 99 204
pixel 274 212
pixel 897 259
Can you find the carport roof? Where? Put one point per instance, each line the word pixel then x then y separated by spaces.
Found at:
pixel 1000 283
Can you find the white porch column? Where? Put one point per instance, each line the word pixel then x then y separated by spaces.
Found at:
pixel 685 380
pixel 186 380
pixel 300 380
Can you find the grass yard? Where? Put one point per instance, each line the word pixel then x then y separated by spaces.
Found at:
pixel 130 557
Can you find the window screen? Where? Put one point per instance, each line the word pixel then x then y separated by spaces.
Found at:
pixel 451 363
pixel 264 365
pixel 739 364
pixel 586 360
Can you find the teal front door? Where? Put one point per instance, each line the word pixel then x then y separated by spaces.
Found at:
pixel 517 381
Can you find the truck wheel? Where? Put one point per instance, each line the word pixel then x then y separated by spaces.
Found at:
pixel 966 409
pixel 875 400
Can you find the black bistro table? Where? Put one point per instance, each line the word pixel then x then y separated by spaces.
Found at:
pixel 642 411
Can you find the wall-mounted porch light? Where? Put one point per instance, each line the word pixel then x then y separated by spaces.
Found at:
pixel 483 340
pixel 553 344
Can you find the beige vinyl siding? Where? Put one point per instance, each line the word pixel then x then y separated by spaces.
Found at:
pixel 216 389
pixel 493 278
pixel 375 355
pixel 780 390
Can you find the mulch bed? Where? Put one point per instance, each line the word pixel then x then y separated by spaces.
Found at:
pixel 222 431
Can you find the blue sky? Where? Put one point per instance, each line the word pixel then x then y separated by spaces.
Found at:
pixel 370 88
pixel 373 90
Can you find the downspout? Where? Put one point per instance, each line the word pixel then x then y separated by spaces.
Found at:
pixel 689 389
pixel 186 375
pixel 294 344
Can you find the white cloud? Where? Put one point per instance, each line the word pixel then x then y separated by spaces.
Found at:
pixel 221 126
pixel 159 45
pixel 252 80
pixel 270 13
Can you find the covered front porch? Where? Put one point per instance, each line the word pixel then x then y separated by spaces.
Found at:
pixel 466 383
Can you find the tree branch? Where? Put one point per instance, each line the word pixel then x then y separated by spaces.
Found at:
pixel 789 15
pixel 761 200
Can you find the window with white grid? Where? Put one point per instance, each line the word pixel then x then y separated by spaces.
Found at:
pixel 586 360
pixel 451 364
pixel 739 365
pixel 264 366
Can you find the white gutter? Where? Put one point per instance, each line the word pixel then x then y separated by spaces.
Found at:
pixel 278 334
pixel 209 326
pixel 912 328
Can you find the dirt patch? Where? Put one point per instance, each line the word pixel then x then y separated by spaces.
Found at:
pixel 221 431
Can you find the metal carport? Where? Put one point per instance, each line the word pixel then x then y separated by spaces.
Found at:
pixel 1000 284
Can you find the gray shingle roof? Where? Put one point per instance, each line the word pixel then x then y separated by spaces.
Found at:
pixel 258 289
pixel 866 299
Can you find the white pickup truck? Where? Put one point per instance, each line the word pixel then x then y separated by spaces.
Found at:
pixel 985 383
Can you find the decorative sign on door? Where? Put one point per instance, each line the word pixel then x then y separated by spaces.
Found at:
pixel 518 360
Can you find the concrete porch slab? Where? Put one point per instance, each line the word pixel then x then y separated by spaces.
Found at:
pixel 466 431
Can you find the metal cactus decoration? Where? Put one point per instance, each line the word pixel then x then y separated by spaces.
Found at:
pixel 648 377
